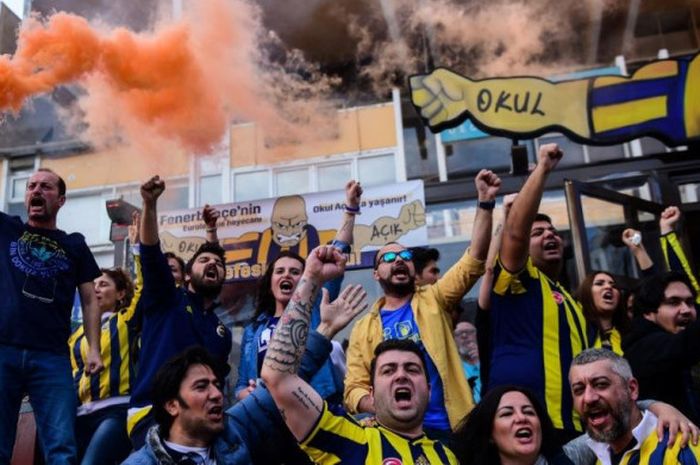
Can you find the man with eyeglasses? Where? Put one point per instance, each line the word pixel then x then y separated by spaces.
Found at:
pixel 664 342
pixel 422 315
pixel 465 338
pixel 40 269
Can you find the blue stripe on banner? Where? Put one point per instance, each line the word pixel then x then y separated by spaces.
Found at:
pixel 667 127
pixel 349 451
pixel 116 359
pixel 629 91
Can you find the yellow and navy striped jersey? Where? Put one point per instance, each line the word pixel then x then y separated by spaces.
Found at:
pixel 117 338
pixel 340 439
pixel 655 452
pixel 611 340
pixel 675 259
pixel 537 328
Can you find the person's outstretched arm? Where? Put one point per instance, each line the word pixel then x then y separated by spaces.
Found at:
pixel 299 404
pixel 516 234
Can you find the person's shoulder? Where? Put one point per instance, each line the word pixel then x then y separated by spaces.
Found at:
pixel 143 456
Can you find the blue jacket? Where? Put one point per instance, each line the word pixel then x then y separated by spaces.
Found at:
pixel 173 320
pixel 250 425
pixel 324 382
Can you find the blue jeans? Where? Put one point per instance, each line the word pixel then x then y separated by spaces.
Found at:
pixel 46 377
pixel 102 437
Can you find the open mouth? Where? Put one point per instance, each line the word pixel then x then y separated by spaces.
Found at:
pixel 608 296
pixel 402 395
pixel 551 245
pixel 523 433
pixel 286 286
pixel 400 271
pixel 211 273
pixel 36 202
pixel 683 322
pixel 596 416
pixel 216 413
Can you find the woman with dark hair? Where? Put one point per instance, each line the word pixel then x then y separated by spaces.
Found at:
pixel 604 307
pixel 509 426
pixel 275 289
pixel 103 399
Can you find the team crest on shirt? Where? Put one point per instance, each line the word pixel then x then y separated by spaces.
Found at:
pixel 422 460
pixel 558 297
pixel 220 330
pixel 392 461
pixel 38 255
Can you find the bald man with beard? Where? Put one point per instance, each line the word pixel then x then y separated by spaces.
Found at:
pixel 422 315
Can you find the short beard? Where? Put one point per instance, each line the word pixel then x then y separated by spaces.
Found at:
pixel 398 290
pixel 621 423
pixel 205 290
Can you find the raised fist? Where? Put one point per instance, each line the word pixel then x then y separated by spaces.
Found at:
pixel 440 95
pixel 669 218
pixel 151 189
pixel 487 185
pixel 549 156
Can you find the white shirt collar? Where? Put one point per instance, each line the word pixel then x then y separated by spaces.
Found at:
pixel 640 433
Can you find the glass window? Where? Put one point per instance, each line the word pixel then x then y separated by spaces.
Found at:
pixel 292 181
pixel 333 177
pixel 612 152
pixel 465 158
pixel 210 189
pixel 17 209
pixel 377 170
pixel 690 193
pixel 251 186
pixel 421 154
pixel 652 146
pixel 74 215
pixel 174 198
pixel 19 186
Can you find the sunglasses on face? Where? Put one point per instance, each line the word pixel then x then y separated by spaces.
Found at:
pixel 390 257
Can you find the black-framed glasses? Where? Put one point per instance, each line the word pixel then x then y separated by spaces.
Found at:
pixel 390 257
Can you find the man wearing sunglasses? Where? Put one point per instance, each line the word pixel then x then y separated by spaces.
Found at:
pixel 421 313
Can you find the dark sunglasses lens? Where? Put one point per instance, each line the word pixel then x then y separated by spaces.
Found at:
pixel 389 257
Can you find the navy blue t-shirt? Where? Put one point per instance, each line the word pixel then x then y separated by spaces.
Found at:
pixel 39 271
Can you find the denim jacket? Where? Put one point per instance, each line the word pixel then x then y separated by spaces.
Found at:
pixel 324 382
pixel 250 426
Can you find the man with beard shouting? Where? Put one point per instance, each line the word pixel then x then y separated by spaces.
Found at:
pixel 605 394
pixel 422 315
pixel 174 318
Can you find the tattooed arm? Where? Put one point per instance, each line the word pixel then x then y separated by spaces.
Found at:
pixel 299 404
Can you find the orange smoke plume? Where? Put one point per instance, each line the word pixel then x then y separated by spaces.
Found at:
pixel 184 83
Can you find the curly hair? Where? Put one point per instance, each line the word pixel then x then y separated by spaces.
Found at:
pixel 122 281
